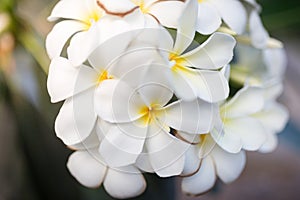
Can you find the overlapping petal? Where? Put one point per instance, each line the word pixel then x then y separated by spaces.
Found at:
pixel 64 80
pixel 186 27
pixel 115 101
pixel 192 117
pixel 235 20
pixel 77 10
pixel 188 84
pixel 166 152
pixel 76 118
pixel 202 181
pixel 228 140
pixel 60 34
pixel 228 166
pixel 214 53
pixel 117 6
pixel 192 162
pixel 87 168
pixel 167 12
pixel 122 144
pixel 259 35
pixel 248 100
pixel 209 19
pixel 124 182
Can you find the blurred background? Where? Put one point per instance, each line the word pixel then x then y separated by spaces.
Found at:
pixel 32 159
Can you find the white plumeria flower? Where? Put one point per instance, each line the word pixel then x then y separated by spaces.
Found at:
pixel 212 12
pixel 258 66
pixel 240 128
pixel 76 85
pixel 232 132
pixel 205 162
pixel 88 25
pixel 195 73
pixel 141 117
pixel 90 170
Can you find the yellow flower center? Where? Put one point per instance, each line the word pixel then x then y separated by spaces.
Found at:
pixel 177 63
pixel 92 17
pixel 202 138
pixel 200 1
pixel 144 8
pixel 149 113
pixel 103 76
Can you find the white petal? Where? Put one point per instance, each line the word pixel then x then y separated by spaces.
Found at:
pixel 166 153
pixel 135 72
pixel 110 27
pixel 228 166
pixel 92 141
pixel 70 9
pixel 124 182
pixel 143 162
pixel 87 168
pixel 118 6
pixel 150 22
pixel 207 144
pixel 253 3
pixel 192 117
pixel 188 84
pixel 226 71
pixel 202 181
pixel 192 161
pixel 136 20
pixel 246 101
pixel 228 140
pixel 259 36
pixel 252 138
pixel 211 86
pixel 167 12
pixel 122 144
pixel 115 35
pixel 214 53
pixel 180 82
pixel 102 128
pixel 64 80
pixel 157 38
pixel 273 91
pixel 233 14
pixel 76 118
pixel 60 34
pixel 83 44
pixel 186 27
pixel 188 137
pixel 106 54
pixel 172 169
pixel 270 143
pixel 209 20
pixel 115 101
pixel 154 87
pixel 276 61
pixel 146 2
pixel 274 116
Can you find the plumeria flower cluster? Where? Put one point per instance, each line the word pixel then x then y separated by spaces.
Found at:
pixel 151 86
